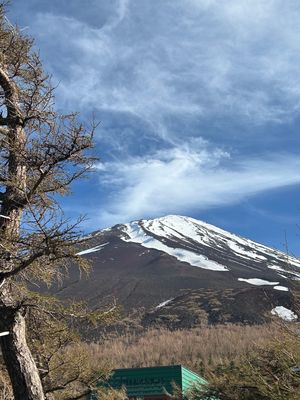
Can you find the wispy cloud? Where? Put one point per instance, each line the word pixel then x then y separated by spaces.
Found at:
pixel 200 57
pixel 181 180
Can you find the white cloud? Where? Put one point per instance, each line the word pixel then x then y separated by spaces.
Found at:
pixel 195 57
pixel 181 180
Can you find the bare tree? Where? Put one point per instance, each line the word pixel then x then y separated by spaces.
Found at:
pixel 41 154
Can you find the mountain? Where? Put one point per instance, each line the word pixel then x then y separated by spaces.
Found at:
pixel 182 271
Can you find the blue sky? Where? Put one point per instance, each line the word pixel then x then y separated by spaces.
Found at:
pixel 198 103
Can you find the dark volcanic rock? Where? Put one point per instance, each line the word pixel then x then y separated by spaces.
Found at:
pixel 196 307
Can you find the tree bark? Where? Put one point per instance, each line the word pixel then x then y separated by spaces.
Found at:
pixel 20 364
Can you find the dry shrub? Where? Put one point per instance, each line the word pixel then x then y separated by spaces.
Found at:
pixel 111 394
pixel 197 348
pixel 270 372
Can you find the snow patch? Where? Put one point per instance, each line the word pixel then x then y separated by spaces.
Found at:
pixel 164 303
pixel 248 254
pixel 92 250
pixel 282 288
pixel 295 275
pixel 276 268
pixel 257 281
pixel 284 313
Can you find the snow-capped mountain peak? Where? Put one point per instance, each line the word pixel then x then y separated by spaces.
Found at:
pixel 206 246
pixel 162 263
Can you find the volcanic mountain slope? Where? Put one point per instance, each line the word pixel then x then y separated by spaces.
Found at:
pixel 157 263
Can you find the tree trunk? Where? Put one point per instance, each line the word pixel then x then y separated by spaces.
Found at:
pixel 21 367
pixel 20 364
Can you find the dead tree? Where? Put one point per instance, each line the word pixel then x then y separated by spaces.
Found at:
pixel 41 154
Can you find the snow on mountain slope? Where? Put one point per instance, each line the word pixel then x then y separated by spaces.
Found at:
pixel 203 245
pixel 191 229
pixel 258 282
pixel 138 235
pixel 284 313
pixel 93 249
